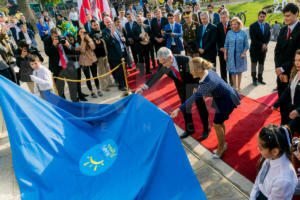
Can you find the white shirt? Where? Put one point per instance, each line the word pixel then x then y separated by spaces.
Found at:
pixel 42 79
pixel 293 86
pixel 205 75
pixel 73 16
pixel 123 21
pixel 27 38
pixel 280 181
pixel 172 28
pixel 113 12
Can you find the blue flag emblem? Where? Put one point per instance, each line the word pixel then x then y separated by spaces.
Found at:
pixel 99 158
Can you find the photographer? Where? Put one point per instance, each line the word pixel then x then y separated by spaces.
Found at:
pixel 87 60
pixel 73 42
pixel 101 54
pixel 22 53
pixel 61 62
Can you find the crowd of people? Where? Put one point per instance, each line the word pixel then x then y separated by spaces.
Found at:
pixel 184 44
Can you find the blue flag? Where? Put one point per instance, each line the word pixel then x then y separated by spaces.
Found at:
pixel 73 151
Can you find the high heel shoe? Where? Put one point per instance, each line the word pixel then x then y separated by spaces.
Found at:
pixel 215 151
pixel 216 156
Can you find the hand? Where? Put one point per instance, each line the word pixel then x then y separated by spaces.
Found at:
pixel 283 78
pixel 225 57
pixel 123 39
pixel 157 40
pixel 195 90
pixel 278 71
pixel 98 41
pixel 175 113
pixel 294 114
pixel 139 91
pixel 264 47
pixel 113 30
pixel 55 41
pixel 24 53
pixel 46 32
pixel 33 78
pixel 222 49
pixel 172 34
pixel 201 51
pixel 160 40
pixel 243 56
pixel 67 44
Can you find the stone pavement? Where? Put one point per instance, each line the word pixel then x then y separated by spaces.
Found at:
pixel 218 180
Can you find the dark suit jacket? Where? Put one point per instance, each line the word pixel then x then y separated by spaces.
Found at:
pixel 86 26
pixel 155 30
pixel 221 34
pixel 287 94
pixel 52 52
pixel 30 33
pixel 285 49
pixel 187 78
pixel 209 41
pixel 257 38
pixel 114 52
pixel 136 31
pixel 129 31
pixel 168 8
pixel 14 33
pixel 102 25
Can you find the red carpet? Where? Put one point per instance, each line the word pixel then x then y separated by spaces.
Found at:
pixel 241 129
pixel 269 99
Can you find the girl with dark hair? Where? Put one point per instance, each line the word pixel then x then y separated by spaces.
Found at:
pixel 277 177
pixel 291 94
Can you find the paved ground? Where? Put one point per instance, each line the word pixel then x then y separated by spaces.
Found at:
pixel 218 180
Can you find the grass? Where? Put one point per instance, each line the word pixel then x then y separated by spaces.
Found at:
pixel 252 10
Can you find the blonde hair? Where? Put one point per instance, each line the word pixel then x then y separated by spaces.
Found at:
pixel 198 64
pixel 294 69
pixel 236 19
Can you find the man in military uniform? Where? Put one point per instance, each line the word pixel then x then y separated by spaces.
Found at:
pixel 189 29
pixel 189 8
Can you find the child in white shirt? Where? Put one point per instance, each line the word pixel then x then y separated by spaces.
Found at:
pixel 41 76
pixel 277 178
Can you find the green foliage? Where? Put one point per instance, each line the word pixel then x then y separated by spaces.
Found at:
pixel 252 10
pixel 53 2
pixel 66 27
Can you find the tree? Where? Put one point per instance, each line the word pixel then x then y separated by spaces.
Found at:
pixel 24 7
pixel 44 2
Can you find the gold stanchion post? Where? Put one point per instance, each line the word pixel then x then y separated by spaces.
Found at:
pixel 127 92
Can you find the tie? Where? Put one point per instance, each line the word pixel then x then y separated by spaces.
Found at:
pixel 264 172
pixel 158 23
pixel 203 31
pixel 288 34
pixel 262 28
pixel 225 29
pixel 211 19
pixel 176 73
pixel 62 58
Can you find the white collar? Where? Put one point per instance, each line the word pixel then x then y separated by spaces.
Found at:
pixel 174 64
pixel 277 162
pixel 205 75
pixel 293 26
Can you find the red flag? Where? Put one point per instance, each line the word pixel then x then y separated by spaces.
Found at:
pixel 85 5
pixel 104 6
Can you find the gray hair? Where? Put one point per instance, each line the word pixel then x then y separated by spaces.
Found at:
pixel 164 53
pixel 224 12
pixel 204 14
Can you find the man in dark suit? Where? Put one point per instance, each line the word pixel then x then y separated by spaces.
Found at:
pixel 177 68
pixel 207 39
pixel 27 35
pixel 88 25
pixel 157 24
pixel 223 28
pixel 213 17
pixel 27 24
pixel 151 45
pixel 169 6
pixel 129 28
pixel 260 35
pixel 61 63
pixel 116 50
pixel 288 42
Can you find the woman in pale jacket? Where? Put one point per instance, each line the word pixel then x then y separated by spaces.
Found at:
pixel 87 59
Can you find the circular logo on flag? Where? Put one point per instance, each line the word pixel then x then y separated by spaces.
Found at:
pixel 99 158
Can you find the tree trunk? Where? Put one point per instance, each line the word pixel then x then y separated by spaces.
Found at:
pixel 23 5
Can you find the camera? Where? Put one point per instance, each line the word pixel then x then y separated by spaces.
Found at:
pixel 62 39
pixel 97 36
pixel 31 51
pixel 168 31
pixel 295 143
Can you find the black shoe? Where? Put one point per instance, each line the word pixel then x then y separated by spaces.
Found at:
pixel 255 82
pixel 122 89
pixel 261 81
pixel 82 99
pixel 83 95
pixel 205 134
pixel 149 72
pixel 184 135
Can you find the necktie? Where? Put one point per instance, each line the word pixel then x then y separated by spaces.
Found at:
pixel 264 172
pixel 262 28
pixel 288 34
pixel 211 19
pixel 225 29
pixel 203 31
pixel 62 58
pixel 176 73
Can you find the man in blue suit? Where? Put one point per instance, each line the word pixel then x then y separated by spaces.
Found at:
pixel 214 18
pixel 173 34
pixel 129 26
